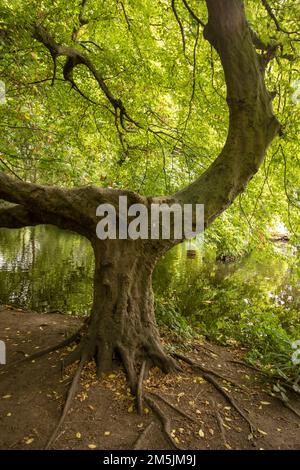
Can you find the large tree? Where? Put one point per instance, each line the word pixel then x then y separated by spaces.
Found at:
pixel 122 324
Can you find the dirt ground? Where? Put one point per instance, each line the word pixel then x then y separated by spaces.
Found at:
pixel 103 414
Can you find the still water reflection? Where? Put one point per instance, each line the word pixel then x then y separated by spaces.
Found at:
pixel 46 269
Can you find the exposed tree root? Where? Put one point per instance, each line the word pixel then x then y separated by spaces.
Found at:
pixel 269 376
pixel 165 421
pixel 139 392
pixel 71 393
pixel 231 401
pixel 71 358
pixel 141 438
pixel 175 408
pixel 86 351
pixel 289 406
pixel 245 364
pixel 83 353
pixel 202 348
pixel 221 425
pixel 90 348
pixel 208 377
pixel 204 369
pixel 44 352
pixel 129 369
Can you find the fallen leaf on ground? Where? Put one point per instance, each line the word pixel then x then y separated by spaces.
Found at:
pixel 29 440
pixel 262 432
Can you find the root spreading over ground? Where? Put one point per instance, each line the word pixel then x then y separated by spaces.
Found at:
pixel 209 399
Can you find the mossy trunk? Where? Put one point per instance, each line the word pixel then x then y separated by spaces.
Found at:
pixel 122 326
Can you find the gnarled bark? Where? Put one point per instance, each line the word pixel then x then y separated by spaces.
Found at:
pixel 122 324
pixel 252 124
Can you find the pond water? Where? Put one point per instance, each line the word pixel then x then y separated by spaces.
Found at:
pixel 49 270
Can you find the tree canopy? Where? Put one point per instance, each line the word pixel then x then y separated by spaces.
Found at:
pixel 155 115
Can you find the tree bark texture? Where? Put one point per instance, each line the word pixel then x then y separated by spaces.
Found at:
pixel 122 324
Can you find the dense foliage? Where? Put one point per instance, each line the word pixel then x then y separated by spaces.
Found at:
pixel 61 129
pixel 152 56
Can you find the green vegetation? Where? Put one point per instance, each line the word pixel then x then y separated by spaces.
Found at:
pixel 53 134
pixel 63 131
pixel 252 303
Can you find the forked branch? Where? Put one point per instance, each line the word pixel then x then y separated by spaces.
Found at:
pixel 75 57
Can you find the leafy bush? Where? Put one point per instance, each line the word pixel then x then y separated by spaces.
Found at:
pixel 168 315
pixel 254 302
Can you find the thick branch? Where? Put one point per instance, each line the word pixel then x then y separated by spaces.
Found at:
pixel 16 217
pixel 252 127
pixel 192 13
pixel 72 209
pixel 252 124
pixel 269 50
pixel 19 216
pixel 74 58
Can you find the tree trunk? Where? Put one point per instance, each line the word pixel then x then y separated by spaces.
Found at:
pixel 122 326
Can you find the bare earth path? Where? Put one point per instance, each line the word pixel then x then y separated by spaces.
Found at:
pixel 103 414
